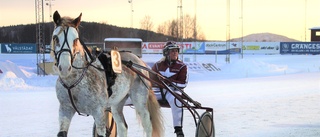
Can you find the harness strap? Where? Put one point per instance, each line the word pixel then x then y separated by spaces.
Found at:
pixel 70 93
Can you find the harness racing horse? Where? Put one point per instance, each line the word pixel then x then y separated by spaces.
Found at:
pixel 82 85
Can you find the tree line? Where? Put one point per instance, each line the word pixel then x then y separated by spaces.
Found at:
pixel 97 32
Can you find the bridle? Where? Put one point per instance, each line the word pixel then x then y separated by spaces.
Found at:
pixel 62 49
pixel 65 42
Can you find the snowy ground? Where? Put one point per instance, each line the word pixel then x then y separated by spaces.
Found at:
pixel 257 96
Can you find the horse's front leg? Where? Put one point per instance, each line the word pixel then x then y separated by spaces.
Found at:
pixel 65 115
pixel 100 120
pixel 117 114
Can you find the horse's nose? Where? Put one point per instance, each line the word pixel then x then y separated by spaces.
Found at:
pixel 64 70
pixel 60 68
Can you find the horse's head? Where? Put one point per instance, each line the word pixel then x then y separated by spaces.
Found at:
pixel 65 43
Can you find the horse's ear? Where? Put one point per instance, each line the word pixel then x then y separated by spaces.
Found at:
pixel 57 18
pixel 77 20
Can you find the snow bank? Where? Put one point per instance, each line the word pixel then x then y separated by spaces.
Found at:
pixel 14 77
pixel 9 66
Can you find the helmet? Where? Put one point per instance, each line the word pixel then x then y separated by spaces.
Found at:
pixel 168 46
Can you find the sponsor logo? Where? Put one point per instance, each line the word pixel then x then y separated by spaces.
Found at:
pixel 8 48
pixel 270 48
pixel 305 46
pixel 234 44
pixel 252 47
pixel 215 45
pixel 156 45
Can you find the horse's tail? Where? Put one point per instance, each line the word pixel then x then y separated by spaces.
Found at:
pixel 155 115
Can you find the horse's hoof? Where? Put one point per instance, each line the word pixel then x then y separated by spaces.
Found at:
pixel 62 134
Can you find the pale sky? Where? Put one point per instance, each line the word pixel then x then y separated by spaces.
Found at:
pixel 283 17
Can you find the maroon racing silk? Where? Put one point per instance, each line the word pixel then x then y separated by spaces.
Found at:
pixel 176 71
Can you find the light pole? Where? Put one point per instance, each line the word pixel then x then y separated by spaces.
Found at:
pixel 50 9
pixel 228 33
pixel 241 29
pixel 305 21
pixel 131 4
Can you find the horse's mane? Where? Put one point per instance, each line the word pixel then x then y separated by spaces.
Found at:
pixel 67 22
pixel 78 47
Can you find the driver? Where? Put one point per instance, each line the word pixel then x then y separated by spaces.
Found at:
pixel 176 71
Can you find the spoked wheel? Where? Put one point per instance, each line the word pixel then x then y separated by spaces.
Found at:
pixel 205 127
pixel 111 127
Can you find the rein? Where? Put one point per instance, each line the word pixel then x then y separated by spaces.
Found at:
pixel 165 82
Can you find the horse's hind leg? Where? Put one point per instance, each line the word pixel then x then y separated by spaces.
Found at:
pixel 140 103
pixel 65 116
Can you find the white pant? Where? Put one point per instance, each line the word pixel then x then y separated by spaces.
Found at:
pixel 175 105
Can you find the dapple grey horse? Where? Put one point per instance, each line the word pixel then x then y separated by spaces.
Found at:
pixel 82 86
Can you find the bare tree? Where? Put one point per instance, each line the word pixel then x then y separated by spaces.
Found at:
pixel 146 23
pixel 188 27
pixel 173 28
pixel 191 28
pixel 162 28
pixel 200 35
pixel 168 28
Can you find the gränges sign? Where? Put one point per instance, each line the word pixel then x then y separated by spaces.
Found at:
pixel 299 47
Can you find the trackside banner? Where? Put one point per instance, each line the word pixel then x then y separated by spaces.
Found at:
pixel 18 48
pixel 299 47
pixel 261 47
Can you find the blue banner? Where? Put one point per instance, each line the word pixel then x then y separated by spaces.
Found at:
pixel 18 48
pixel 299 47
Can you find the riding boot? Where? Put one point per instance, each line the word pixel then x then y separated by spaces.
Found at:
pixel 62 134
pixel 178 131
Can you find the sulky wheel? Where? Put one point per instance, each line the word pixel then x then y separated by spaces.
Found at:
pixel 205 126
pixel 111 127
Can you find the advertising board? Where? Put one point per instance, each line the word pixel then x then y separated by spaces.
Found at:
pixel 18 48
pixel 261 47
pixel 299 47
